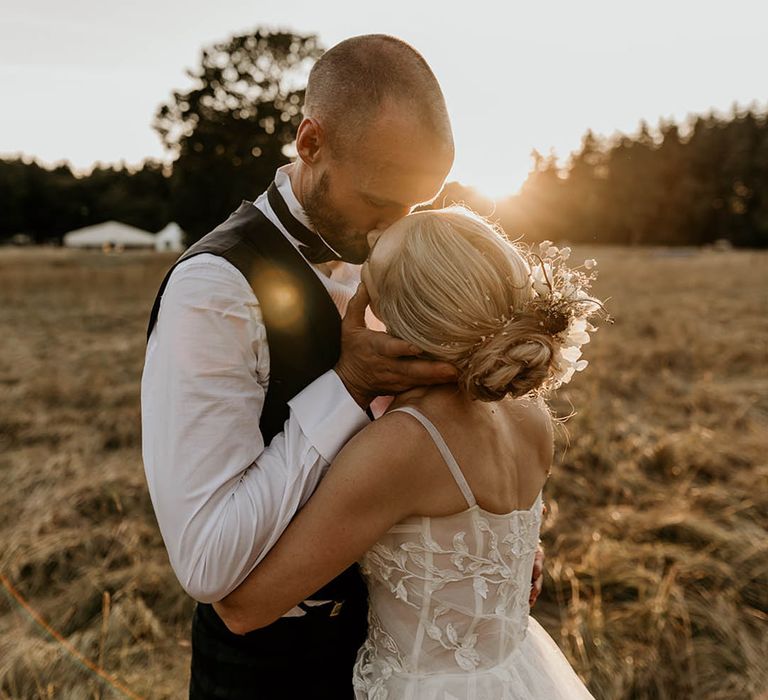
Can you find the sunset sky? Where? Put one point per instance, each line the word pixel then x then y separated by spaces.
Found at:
pixel 81 79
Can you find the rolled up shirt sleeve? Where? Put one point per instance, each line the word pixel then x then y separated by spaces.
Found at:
pixel 221 497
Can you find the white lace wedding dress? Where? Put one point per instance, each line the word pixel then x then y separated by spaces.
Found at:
pixel 448 613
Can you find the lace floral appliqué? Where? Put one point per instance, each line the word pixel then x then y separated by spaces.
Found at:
pixel 477 579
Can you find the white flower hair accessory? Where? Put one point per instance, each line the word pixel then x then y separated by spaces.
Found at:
pixel 560 298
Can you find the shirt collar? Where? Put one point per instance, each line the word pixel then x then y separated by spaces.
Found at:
pixel 283 183
pixel 284 187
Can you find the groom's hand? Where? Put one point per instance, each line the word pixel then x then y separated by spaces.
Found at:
pixel 537 576
pixel 376 364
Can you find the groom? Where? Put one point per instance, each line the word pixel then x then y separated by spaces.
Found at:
pixel 252 383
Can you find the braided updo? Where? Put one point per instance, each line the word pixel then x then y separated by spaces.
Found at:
pixel 459 290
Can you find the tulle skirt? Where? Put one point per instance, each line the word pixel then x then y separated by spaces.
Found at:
pixel 536 670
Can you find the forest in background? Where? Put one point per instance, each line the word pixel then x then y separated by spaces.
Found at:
pixel 675 184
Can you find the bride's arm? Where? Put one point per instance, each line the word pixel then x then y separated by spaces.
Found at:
pixel 370 486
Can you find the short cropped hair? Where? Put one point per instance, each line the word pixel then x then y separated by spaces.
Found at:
pixel 352 80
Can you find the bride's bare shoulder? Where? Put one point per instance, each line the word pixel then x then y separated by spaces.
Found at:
pixel 532 420
pixel 395 438
pixel 535 411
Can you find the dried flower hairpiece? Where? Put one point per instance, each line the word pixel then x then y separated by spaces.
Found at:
pixel 560 298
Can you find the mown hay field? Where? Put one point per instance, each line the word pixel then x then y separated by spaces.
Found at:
pixel 657 562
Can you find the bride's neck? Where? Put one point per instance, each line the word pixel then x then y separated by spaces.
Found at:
pixel 447 392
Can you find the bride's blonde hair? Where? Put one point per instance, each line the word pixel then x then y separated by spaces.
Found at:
pixel 461 291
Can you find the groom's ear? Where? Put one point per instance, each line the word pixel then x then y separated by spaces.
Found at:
pixel 310 141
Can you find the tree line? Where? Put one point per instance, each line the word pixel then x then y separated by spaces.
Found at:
pixel 690 184
pixel 677 184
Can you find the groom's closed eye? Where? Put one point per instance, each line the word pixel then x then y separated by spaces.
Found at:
pixel 382 203
pixel 374 203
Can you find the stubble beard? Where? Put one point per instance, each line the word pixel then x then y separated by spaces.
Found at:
pixel 332 226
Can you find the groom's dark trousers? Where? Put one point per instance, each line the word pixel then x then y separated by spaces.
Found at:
pixel 310 656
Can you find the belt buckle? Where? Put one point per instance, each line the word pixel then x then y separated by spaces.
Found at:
pixel 337 605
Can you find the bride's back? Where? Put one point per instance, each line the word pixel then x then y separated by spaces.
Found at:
pixel 504 449
pixel 449 586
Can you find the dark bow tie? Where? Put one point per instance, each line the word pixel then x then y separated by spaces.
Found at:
pixel 311 245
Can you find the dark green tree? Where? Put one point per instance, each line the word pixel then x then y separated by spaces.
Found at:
pixel 230 131
pixel 47 202
pixel 689 185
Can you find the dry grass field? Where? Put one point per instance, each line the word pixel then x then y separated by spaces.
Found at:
pixel 657 554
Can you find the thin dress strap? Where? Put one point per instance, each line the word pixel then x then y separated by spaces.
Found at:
pixel 450 460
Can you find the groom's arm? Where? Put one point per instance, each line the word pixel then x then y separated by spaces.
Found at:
pixel 222 497
pixel 372 486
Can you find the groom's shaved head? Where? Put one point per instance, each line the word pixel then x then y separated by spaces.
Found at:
pixel 375 140
pixel 355 80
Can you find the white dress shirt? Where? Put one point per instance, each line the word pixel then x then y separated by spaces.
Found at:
pixel 221 496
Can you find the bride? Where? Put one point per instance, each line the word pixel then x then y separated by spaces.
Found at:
pixel 440 499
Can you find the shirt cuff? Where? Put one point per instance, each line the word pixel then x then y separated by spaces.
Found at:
pixel 328 415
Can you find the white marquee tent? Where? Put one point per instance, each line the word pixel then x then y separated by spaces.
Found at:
pixel 170 238
pixel 110 234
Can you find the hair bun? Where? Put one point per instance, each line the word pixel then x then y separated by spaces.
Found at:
pixel 508 364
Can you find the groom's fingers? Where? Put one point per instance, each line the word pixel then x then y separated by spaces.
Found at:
pixel 355 315
pixel 372 363
pixel 389 346
pixel 381 343
pixel 423 372
pixel 537 576
pixel 396 359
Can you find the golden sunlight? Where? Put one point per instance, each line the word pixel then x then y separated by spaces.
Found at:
pixel 500 184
